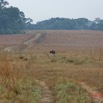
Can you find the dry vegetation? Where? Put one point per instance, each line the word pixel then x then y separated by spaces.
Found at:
pixel 62 72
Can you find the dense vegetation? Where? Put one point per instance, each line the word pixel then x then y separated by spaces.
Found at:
pixel 12 20
pixel 69 24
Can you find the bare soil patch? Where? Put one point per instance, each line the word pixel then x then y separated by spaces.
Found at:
pixel 97 97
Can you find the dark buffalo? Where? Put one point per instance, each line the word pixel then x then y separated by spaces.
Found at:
pixel 52 52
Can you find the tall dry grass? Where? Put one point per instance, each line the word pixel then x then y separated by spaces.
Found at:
pixel 19 70
pixel 77 65
pixel 15 84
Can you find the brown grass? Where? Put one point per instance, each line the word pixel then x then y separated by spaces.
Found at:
pixel 73 64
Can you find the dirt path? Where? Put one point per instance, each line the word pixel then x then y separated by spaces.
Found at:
pixel 96 96
pixel 9 49
pixel 35 37
pixel 32 39
pixel 46 93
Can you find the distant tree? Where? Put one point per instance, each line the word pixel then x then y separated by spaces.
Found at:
pixel 100 24
pixel 28 23
pixel 63 23
pixel 3 3
pixel 12 20
pixel 69 24
pixel 97 20
pixel 97 24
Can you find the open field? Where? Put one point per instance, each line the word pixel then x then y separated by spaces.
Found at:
pixel 64 38
pixel 78 59
pixel 75 38
pixel 16 39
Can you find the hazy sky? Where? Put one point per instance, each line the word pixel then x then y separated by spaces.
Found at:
pixel 44 9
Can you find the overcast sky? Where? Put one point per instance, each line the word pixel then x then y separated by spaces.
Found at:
pixel 39 10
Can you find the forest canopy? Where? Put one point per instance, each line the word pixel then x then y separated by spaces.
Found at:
pixel 68 24
pixel 12 20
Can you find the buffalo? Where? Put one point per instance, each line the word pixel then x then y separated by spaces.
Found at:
pixel 52 52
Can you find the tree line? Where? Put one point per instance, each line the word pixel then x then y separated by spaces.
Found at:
pixel 68 24
pixel 13 21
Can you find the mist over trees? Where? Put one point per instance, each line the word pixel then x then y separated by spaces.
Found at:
pixel 12 20
pixel 68 24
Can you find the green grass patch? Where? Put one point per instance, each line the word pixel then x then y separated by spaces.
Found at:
pixel 66 92
pixel 23 91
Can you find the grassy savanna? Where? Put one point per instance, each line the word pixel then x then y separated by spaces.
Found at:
pixel 19 70
pixel 15 84
pixel 62 72
pixel 77 65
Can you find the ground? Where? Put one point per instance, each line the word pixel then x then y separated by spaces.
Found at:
pixel 78 61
